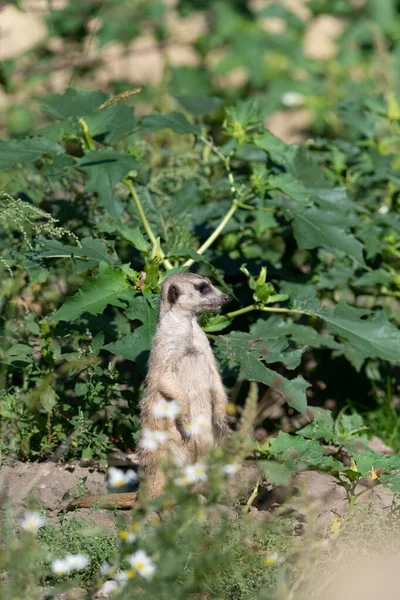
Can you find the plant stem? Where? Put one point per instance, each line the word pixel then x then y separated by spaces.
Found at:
pixel 89 142
pixel 234 206
pixel 210 240
pixel 144 220
pixel 246 309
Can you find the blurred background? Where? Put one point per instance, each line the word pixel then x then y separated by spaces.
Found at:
pixel 300 58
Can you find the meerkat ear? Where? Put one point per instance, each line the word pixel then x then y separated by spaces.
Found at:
pixel 173 293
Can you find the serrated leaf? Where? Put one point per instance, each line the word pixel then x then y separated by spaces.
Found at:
pixel 95 294
pixel 240 348
pixel 105 168
pixel 73 103
pixel 173 120
pixel 112 123
pixel 275 148
pixel 136 346
pixel 25 151
pixel 321 427
pixel 315 228
pixel 133 235
pixel 373 337
pixel 91 248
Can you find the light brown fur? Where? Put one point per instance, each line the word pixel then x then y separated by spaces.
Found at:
pixel 182 367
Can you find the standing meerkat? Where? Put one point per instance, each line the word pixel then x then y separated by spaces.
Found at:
pixel 182 368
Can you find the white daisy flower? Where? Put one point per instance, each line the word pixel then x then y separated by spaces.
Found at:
pixel 231 469
pixel 60 566
pixel 128 536
pixel 292 99
pixel 150 439
pixel 105 568
pixel 77 562
pixel 164 409
pixel 192 474
pixel 121 578
pixel 107 589
pixel 142 563
pixel 32 522
pixel 196 426
pixel 119 478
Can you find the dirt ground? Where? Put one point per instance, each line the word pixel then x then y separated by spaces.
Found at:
pixel 313 495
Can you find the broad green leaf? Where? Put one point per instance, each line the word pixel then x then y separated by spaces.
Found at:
pixel 278 151
pixel 296 451
pixel 73 103
pixel 13 152
pixel 20 350
pixel 276 472
pixel 106 168
pixel 112 123
pixel 173 120
pixel 321 427
pixel 133 235
pixel 276 327
pixel 95 294
pixel 136 346
pixel 290 186
pixel 372 337
pixel 240 348
pixel 94 249
pixel 315 228
pixel 199 105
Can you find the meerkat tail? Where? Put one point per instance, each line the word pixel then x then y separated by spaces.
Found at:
pixel 122 501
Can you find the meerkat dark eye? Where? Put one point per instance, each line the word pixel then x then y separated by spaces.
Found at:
pixel 203 288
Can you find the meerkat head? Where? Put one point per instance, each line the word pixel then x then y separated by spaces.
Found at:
pixel 191 293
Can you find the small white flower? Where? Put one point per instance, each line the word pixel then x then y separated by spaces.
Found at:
pixel 77 562
pixel 119 478
pixel 230 469
pixel 60 566
pixel 192 474
pixel 150 439
pixel 292 99
pixel 273 559
pixel 164 409
pixel 107 589
pixel 198 425
pixel 128 536
pixel 383 210
pixel 142 564
pixel 32 522
pixel 121 577
pixel 105 568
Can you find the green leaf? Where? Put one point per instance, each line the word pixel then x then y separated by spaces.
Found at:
pixel 91 248
pixel 112 123
pixel 371 337
pixel 241 348
pixel 26 151
pixel 136 346
pixel 315 228
pixel 20 350
pixel 73 103
pixel 106 168
pixel 199 105
pixel 133 235
pixel 321 427
pixel 277 150
pixel 48 398
pixel 96 293
pixel 173 120
pixel 296 450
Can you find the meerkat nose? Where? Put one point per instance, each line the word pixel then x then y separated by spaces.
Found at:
pixel 226 298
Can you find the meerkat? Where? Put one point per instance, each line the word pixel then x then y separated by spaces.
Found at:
pixel 181 368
